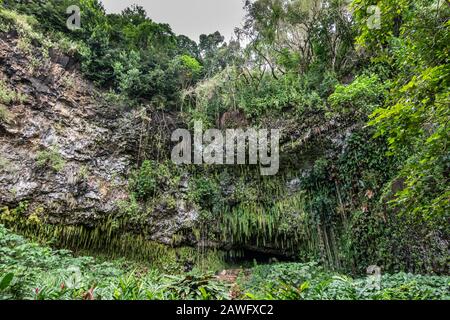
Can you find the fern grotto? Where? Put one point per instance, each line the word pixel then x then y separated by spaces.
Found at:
pixel 350 100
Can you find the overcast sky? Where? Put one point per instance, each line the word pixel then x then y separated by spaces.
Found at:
pixel 189 17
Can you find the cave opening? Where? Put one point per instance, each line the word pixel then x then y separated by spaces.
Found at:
pixel 249 257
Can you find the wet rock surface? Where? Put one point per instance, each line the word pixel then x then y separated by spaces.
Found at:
pixel 67 152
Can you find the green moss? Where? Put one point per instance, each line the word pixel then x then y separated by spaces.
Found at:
pixel 110 239
pixel 50 158
pixel 7 97
pixel 83 172
pixel 14 215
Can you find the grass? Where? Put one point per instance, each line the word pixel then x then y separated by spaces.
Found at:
pixel 29 32
pixel 28 28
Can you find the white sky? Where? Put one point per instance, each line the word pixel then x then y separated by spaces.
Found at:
pixel 189 17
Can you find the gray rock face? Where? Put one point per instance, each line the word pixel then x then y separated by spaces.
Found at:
pixel 68 153
pixel 64 150
pixel 293 185
pixel 167 222
pixel 58 123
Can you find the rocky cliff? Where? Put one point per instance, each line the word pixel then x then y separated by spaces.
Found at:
pixel 63 149
pixel 68 149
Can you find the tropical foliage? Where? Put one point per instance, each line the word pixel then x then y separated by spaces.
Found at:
pixel 363 103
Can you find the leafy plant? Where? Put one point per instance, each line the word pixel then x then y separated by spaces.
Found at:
pixel 152 178
pixel 362 96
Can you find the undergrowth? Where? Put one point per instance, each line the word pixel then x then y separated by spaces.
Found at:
pixel 32 271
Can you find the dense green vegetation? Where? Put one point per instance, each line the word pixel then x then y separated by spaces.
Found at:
pixel 128 52
pixel 364 114
pixel 30 271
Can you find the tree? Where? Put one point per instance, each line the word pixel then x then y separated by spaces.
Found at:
pixel 414 43
pixel 294 35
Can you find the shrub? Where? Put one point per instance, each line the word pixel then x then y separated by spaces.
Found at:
pixel 309 281
pixel 206 192
pixel 31 271
pixel 152 178
pixel 362 96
